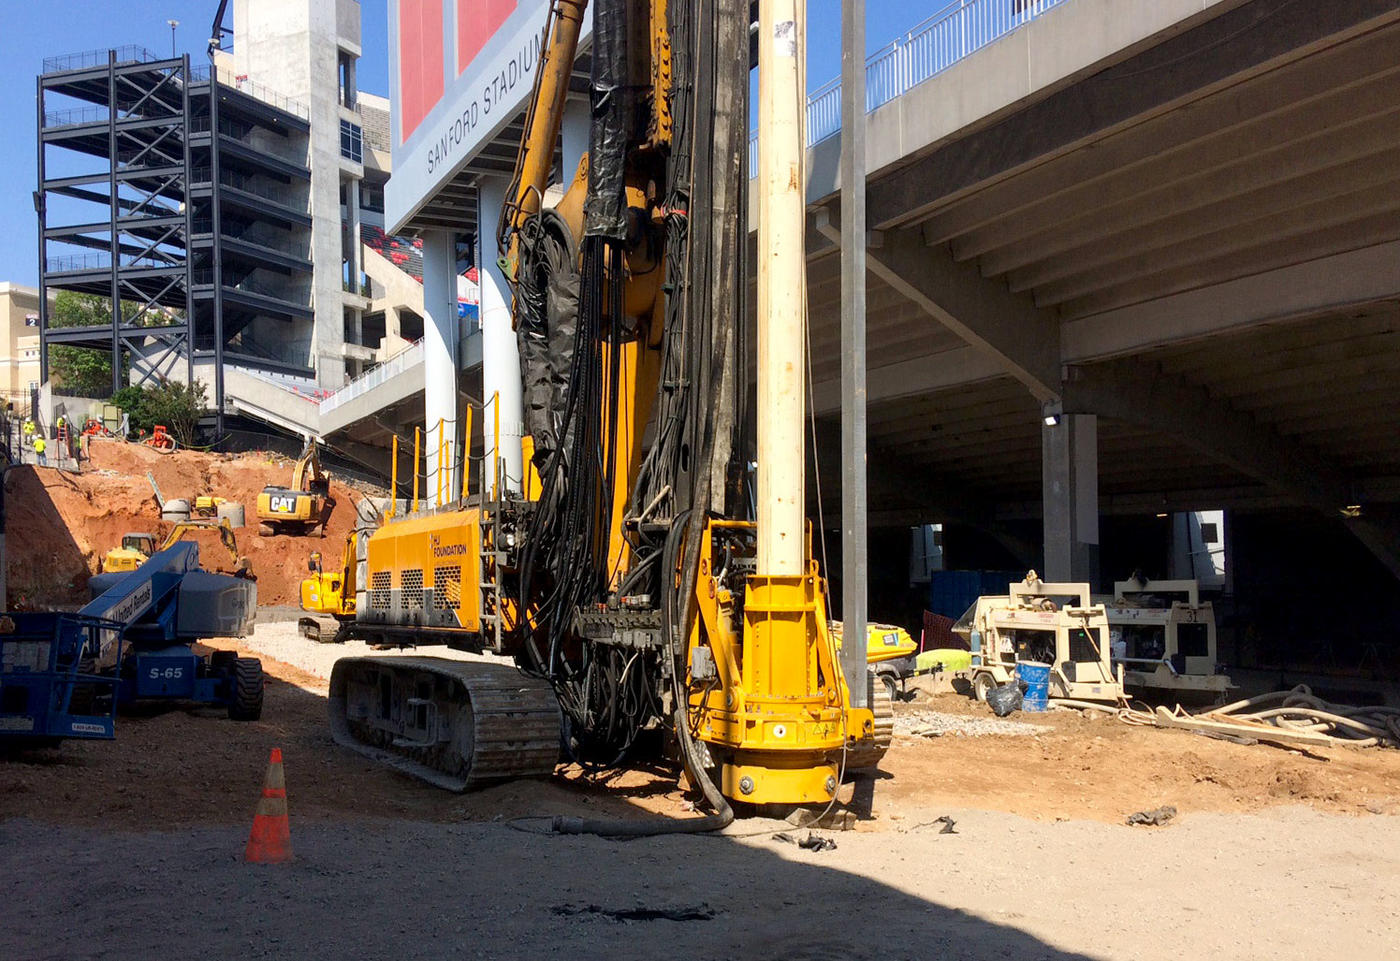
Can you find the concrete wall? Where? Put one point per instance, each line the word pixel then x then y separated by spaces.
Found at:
pixel 19 344
pixel 293 47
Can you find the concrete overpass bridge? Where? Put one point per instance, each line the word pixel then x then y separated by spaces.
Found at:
pixel 1168 227
pixel 1172 228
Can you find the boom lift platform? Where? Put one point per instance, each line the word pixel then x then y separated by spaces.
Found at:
pixel 64 675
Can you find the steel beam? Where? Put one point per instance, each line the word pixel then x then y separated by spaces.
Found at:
pixel 855 566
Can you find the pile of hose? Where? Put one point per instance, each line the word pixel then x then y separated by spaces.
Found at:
pixel 1298 710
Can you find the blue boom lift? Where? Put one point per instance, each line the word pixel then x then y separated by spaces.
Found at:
pixel 64 675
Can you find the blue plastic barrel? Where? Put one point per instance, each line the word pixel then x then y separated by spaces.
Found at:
pixel 1036 677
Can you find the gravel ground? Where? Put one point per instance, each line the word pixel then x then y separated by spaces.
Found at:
pixel 275 636
pixel 923 723
pixel 1290 884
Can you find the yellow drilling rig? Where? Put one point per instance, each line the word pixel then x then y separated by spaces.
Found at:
pixel 657 598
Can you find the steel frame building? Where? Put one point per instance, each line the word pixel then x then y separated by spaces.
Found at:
pixel 182 200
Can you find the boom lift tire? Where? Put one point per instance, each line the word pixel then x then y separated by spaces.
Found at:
pixel 247 678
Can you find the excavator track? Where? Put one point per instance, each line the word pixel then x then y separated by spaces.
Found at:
pixel 455 724
pixel 869 754
pixel 321 629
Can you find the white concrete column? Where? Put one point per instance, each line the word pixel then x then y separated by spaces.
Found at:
pixel 500 353
pixel 573 137
pixel 1070 492
pixel 440 326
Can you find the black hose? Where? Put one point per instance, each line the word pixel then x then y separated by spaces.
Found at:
pixel 723 814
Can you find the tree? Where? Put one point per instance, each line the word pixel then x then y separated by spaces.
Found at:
pixel 177 405
pixel 87 371
pixel 84 371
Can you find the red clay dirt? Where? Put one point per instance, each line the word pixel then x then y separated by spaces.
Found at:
pixel 60 525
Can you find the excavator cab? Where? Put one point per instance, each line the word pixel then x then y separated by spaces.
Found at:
pixel 144 543
pixel 136 548
pixel 328 597
pixel 300 508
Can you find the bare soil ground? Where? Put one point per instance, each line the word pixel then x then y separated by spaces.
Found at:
pixel 196 767
pixel 60 525
pixel 1275 854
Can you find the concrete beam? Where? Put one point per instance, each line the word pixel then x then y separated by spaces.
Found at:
pixel 1251 37
pixel 911 378
pixel 1008 327
pixel 1140 393
pixel 1343 280
pixel 1277 99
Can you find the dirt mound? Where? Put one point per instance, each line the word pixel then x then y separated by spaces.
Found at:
pixel 60 525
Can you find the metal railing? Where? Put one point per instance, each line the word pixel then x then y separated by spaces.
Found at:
pixel 960 28
pixel 74 116
pixel 284 245
pixel 255 90
pixel 410 356
pixel 242 132
pixel 288 292
pixel 128 53
pixel 298 201
pixel 70 263
pixel 303 388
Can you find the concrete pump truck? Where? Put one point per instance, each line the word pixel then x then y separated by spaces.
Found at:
pixel 656 599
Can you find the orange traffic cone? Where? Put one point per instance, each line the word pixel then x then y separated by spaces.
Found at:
pixel 270 841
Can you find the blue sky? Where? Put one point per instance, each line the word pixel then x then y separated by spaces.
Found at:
pixel 31 30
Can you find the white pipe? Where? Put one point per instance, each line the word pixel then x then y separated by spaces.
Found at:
pixel 782 280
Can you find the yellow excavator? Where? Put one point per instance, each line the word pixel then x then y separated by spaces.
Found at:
pixel 650 605
pixel 137 547
pixel 302 507
pixel 328 597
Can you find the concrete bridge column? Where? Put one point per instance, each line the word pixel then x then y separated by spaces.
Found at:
pixel 573 137
pixel 440 326
pixel 1070 494
pixel 500 355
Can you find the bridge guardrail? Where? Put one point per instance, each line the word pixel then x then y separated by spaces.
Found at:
pixel 960 28
pixel 408 357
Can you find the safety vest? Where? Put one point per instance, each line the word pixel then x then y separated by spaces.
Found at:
pixel 40 445
pixel 29 427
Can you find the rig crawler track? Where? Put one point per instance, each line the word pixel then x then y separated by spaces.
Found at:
pixel 455 724
pixel 868 756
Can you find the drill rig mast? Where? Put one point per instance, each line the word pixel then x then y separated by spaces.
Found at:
pixel 641 601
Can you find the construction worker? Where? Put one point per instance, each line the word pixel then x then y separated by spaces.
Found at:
pixel 28 430
pixel 41 445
